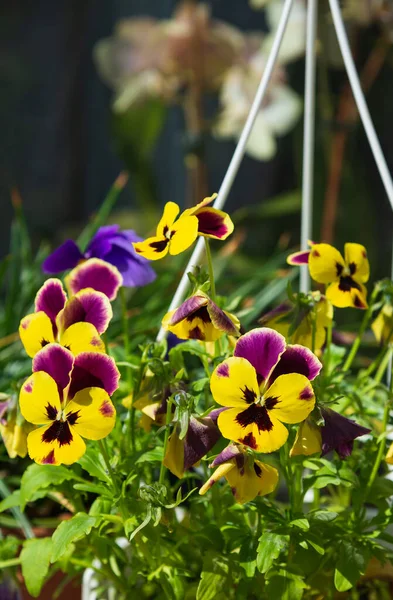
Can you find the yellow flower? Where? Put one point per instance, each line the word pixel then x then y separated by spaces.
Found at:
pixel 308 439
pixel 389 456
pixel 69 398
pixel 173 236
pixel 15 437
pixel 344 278
pixel 212 222
pixel 247 477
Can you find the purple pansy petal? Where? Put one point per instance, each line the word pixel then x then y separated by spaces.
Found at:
pixel 221 320
pixel 279 311
pixel 227 454
pixel 137 273
pixel 87 306
pixel 63 258
pixel 201 436
pixel 188 308
pixel 101 242
pixel 94 370
pixel 213 415
pixel 262 347
pixel 97 274
pixel 213 223
pixel 51 298
pixel 297 359
pixel 299 258
pixel 338 433
pixel 57 361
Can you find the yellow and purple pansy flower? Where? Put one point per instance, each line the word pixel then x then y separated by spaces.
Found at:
pixel 281 319
pixel 172 235
pixel 69 399
pixel 75 323
pixel 265 384
pixel 182 454
pixel 247 477
pixel 199 318
pixel 338 433
pixel 108 244
pixel 344 277
pixel 212 222
pixel 96 274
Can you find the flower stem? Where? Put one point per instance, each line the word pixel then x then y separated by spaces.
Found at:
pixel 362 329
pixel 111 473
pixel 130 434
pixel 381 450
pixel 167 421
pixel 211 271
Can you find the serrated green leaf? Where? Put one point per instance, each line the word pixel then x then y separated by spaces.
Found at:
pixel 42 476
pixel 214 578
pixel 269 548
pixel 94 464
pixel 285 586
pixel 35 559
pixel 70 531
pixel 351 564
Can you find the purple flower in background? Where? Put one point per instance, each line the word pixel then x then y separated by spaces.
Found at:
pixel 111 245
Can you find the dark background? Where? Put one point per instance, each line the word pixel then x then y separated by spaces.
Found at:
pixel 57 145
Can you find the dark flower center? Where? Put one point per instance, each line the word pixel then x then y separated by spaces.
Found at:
pixel 255 414
pixel 202 314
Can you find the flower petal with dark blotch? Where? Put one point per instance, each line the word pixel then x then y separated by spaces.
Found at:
pixel 299 258
pixel 51 298
pixel 188 308
pixel 201 436
pixel 97 274
pixel 221 320
pixel 297 359
pixel 94 370
pixel 263 348
pixel 338 433
pixel 57 361
pixel 86 306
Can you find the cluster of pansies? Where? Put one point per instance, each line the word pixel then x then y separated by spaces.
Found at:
pixel 262 390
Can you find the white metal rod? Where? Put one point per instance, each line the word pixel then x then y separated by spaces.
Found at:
pixel 360 100
pixel 237 156
pixel 308 137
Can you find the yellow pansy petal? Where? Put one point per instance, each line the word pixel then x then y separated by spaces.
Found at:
pixel 389 456
pixel 382 326
pixel 221 471
pixel 39 399
pixel 14 438
pixel 357 262
pixel 183 234
pixel 36 331
pixel 308 440
pixel 174 455
pixel 290 398
pixel 263 434
pixel 256 479
pixel 153 248
pixel 91 413
pixel 82 337
pixel 346 296
pixel 234 383
pixel 192 329
pixel 324 263
pixel 171 210
pixel 45 450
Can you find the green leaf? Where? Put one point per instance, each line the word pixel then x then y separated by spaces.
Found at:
pixel 70 531
pixel 269 548
pixel 10 501
pixel 302 524
pixel 35 558
pixel 155 455
pixel 42 476
pixel 214 578
pixel 94 464
pixel 285 586
pixel 324 516
pixel 351 564
pixel 9 547
pixel 93 488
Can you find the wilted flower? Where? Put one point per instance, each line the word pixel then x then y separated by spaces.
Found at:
pixel 111 245
pixel 247 477
pixel 75 323
pixel 264 385
pixel 382 326
pixel 181 454
pixel 299 320
pixel 12 428
pixel 96 274
pixel 69 398
pixel 344 278
pixel 199 318
pixel 338 433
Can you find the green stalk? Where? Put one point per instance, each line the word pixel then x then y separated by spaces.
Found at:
pixel 167 421
pixel 130 431
pixel 12 562
pixel 362 329
pixel 211 271
pixel 381 450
